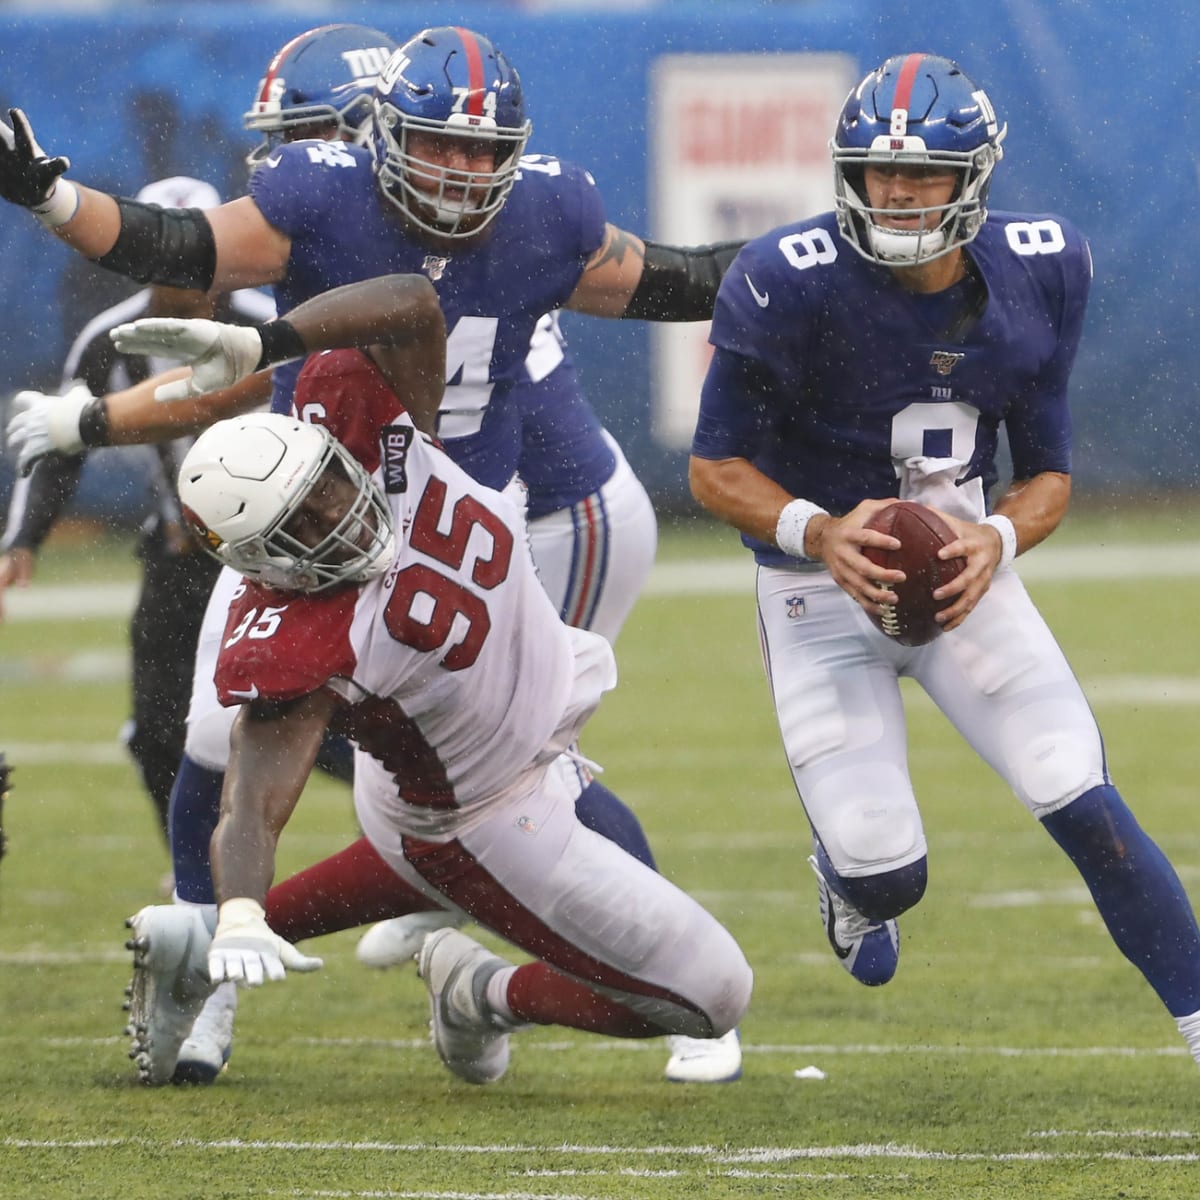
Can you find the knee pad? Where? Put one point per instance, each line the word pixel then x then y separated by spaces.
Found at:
pixel 881 897
pixel 884 897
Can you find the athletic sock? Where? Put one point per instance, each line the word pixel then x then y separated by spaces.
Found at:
pixel 195 810
pixel 1137 892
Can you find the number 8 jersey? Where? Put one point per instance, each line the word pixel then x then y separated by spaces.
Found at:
pixel 807 384
pixel 460 683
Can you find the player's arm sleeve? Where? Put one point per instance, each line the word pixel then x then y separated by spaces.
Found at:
pixel 734 408
pixel 680 283
pixel 37 502
pixel 1038 423
pixel 174 247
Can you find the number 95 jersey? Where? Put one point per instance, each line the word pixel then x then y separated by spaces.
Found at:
pixel 830 376
pixel 459 681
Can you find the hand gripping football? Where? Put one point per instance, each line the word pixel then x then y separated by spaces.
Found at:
pixel 922 533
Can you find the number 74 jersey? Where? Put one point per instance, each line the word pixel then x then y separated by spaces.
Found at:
pixel 459 682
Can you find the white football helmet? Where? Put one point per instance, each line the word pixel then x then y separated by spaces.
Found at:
pixel 245 479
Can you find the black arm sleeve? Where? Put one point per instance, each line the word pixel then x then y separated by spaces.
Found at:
pixel 679 283
pixel 170 246
pixel 52 485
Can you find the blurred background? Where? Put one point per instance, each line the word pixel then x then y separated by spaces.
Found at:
pixel 700 119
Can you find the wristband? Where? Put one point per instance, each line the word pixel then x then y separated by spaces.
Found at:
pixel 793 521
pixel 280 343
pixel 93 424
pixel 1008 538
pixel 60 206
pixel 241 910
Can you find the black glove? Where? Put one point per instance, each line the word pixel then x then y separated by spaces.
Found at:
pixel 28 176
pixel 5 771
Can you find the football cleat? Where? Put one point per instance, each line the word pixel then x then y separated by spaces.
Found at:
pixel 456 970
pixel 398 941
pixel 170 984
pixel 206 1050
pixel 705 1060
pixel 869 950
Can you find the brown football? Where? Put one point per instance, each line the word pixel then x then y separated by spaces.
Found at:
pixel 922 533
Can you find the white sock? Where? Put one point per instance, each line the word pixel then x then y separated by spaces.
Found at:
pixel 1190 1028
pixel 496 998
pixel 208 912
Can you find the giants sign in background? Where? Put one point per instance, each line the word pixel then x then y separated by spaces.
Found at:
pixel 740 145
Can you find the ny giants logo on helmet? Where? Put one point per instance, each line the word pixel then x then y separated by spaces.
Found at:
pixel 392 72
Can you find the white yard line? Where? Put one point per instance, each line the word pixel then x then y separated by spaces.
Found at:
pixel 726 575
pixel 709 1157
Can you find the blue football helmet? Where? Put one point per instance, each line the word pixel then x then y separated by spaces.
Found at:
pixel 915 110
pixel 323 77
pixel 452 84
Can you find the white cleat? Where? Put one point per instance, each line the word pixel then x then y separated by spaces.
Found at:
pixel 398 941
pixel 206 1050
pixel 170 984
pixel 704 1060
pixel 456 970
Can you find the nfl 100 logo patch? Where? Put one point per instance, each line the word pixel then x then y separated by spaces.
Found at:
pixel 944 361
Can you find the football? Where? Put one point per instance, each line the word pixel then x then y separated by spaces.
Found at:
pixel 922 533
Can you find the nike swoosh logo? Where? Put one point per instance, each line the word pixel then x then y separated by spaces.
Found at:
pixel 252 694
pixel 762 299
pixel 831 919
pixel 273 161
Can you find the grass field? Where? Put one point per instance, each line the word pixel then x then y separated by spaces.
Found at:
pixel 1016 1054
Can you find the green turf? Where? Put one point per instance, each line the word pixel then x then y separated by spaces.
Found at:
pixel 1015 1054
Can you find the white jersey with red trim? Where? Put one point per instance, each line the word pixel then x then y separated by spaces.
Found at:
pixel 461 683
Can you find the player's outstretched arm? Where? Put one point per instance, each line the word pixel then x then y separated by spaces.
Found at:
pixel 44 422
pixel 86 220
pixel 645 281
pixel 145 242
pixel 399 313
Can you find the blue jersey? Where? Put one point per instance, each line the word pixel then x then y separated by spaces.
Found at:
pixel 564 456
pixel 324 197
pixel 828 375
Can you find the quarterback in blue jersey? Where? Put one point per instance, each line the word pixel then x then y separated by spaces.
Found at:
pixel 872 354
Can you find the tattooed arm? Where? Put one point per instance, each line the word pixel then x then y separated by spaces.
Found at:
pixel 611 275
pixel 628 277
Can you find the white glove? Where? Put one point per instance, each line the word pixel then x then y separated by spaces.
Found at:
pixel 245 950
pixel 42 423
pixel 219 354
